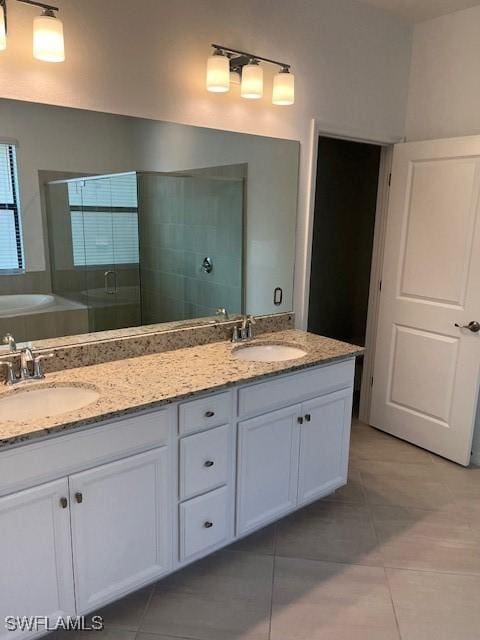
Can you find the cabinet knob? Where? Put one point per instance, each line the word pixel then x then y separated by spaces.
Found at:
pixel 208 463
pixel 208 524
pixel 63 503
pixel 308 417
pixel 79 497
pixel 209 414
pixel 300 420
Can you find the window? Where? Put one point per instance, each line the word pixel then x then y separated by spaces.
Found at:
pixel 104 217
pixel 11 253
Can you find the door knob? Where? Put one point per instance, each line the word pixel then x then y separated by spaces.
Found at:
pixel 473 326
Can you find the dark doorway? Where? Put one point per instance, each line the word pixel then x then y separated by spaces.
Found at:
pixel 343 231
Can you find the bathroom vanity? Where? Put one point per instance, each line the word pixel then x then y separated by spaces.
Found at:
pixel 163 470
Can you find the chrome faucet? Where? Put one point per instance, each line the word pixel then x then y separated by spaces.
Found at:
pixel 26 356
pixel 222 315
pixel 246 331
pixel 9 340
pixel 25 373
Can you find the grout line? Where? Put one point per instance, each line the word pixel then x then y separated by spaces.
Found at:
pixel 393 603
pixel 273 580
pixel 145 609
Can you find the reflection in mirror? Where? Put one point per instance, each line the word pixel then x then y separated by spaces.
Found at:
pixel 110 222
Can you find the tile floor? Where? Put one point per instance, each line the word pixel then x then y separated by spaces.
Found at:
pixel 394 555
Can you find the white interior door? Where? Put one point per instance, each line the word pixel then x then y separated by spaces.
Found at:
pixel 426 373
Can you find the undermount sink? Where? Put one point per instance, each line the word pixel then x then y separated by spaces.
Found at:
pixel 268 353
pixel 31 404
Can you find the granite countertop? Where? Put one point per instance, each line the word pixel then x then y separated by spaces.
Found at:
pixel 126 386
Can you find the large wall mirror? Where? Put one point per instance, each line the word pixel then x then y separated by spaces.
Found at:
pixel 110 222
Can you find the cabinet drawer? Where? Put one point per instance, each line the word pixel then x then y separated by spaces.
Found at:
pixel 62 455
pixel 209 411
pixel 205 461
pixel 294 388
pixel 204 523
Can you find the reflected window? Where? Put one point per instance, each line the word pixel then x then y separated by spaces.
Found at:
pixel 104 218
pixel 11 250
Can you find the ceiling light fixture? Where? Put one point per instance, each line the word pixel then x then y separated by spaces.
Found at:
pixel 48 40
pixel 225 67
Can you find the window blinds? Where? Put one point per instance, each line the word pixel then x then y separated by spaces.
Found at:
pixel 10 232
pixel 104 217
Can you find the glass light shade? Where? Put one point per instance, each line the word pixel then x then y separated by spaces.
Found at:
pixel 252 82
pixel 283 88
pixel 48 43
pixel 218 74
pixel 3 35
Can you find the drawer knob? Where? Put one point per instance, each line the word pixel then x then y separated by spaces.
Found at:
pixel 208 524
pixel 63 503
pixel 209 414
pixel 209 463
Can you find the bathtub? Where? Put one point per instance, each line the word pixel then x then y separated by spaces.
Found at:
pixel 28 304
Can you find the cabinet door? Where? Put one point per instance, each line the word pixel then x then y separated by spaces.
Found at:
pixel 267 467
pixel 121 527
pixel 324 444
pixel 36 576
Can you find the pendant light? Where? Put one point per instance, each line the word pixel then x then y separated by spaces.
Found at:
pixel 218 72
pixel 228 67
pixel 283 88
pixel 48 42
pixel 252 81
pixel 3 29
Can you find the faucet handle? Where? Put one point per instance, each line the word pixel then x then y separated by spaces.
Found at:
pixel 37 364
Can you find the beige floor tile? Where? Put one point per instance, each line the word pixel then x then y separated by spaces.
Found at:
pixel 312 600
pixel 368 443
pixel 400 470
pixel 205 618
pixel 383 489
pixel 427 601
pixel 462 482
pixel 126 613
pixel 352 492
pixel 329 531
pixel 262 542
pixel 224 575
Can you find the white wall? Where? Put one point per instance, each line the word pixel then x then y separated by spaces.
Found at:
pixel 444 94
pixel 48 139
pixel 147 59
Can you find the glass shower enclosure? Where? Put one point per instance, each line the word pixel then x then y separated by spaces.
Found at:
pixel 143 248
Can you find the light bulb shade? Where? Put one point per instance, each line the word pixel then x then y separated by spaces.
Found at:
pixel 283 88
pixel 48 43
pixel 218 74
pixel 252 82
pixel 3 34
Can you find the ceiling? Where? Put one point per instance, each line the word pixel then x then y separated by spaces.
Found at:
pixel 418 10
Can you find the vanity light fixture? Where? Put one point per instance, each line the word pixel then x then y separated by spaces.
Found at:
pixel 48 40
pixel 228 66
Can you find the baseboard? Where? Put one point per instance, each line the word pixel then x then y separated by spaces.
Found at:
pixel 475 459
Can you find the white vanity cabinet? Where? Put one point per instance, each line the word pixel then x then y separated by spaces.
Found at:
pixel 292 456
pixel 35 554
pixel 118 505
pixel 121 527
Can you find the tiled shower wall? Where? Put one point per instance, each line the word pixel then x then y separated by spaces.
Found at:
pixel 185 219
